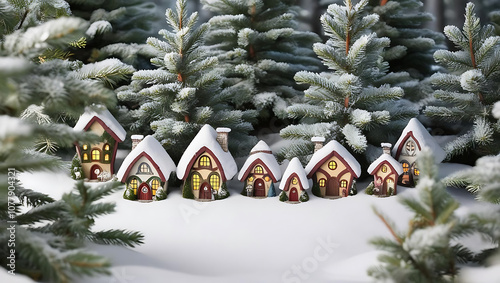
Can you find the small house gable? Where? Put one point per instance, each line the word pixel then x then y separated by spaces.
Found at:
pixel 385 159
pixel 206 142
pixel 261 155
pixel 294 169
pixel 416 132
pixel 103 117
pixel 330 150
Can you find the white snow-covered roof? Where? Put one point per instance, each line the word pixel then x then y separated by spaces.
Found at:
pixel 150 146
pixel 136 137
pixel 105 116
pixel 385 157
pixel 318 139
pixel 423 138
pixel 207 137
pixel 326 150
pixel 263 152
pixel 295 167
pixel 386 144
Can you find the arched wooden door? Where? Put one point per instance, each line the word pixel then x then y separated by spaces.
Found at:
pixel 95 171
pixel 294 195
pixel 145 192
pixel 332 187
pixel 259 188
pixel 205 191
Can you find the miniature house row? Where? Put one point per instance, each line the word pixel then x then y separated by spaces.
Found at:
pixel 206 164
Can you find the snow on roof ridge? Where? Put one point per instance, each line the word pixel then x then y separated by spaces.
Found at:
pixel 263 152
pixel 155 150
pixel 207 137
pixel 424 138
pixel 331 146
pixel 105 116
pixel 295 167
pixel 385 157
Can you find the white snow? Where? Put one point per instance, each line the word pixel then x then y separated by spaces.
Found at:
pixel 102 113
pixel 223 130
pixel 248 240
pixel 136 137
pixel 155 150
pixel 423 137
pixel 341 150
pixel 318 139
pixel 267 158
pixel 13 126
pixel 385 157
pixel 496 110
pixel 295 167
pixel 207 137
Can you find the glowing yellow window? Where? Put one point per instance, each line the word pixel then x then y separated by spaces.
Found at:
pixel 295 181
pixel 154 185
pixel 106 147
pixel 250 179
pixel 343 184
pixel 85 156
pixel 215 181
pixel 96 155
pixel 204 161
pixel 196 181
pixel 144 168
pixel 416 172
pixel 133 183
pixel 406 167
pixel 259 170
pixel 322 182
pixel 332 165
pixel 390 181
pixel 267 179
pixel 85 147
pixel 106 157
pixel 384 169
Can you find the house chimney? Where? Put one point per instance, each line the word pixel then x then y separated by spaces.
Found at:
pixel 222 137
pixel 136 139
pixel 386 147
pixel 318 143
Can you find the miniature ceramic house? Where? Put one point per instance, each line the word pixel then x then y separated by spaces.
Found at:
pixel 260 171
pixel 333 170
pixel 386 171
pixel 294 182
pixel 206 165
pixel 98 160
pixel 146 168
pixel 409 144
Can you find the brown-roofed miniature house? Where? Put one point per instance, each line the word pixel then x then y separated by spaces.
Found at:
pixel 385 171
pixel 147 168
pixel 260 172
pixel 206 165
pixel 333 170
pixel 413 138
pixel 98 160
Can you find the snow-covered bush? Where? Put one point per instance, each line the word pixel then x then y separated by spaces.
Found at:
pixel 161 194
pixel 129 193
pixel 283 197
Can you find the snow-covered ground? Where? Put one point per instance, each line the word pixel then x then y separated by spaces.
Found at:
pixel 242 239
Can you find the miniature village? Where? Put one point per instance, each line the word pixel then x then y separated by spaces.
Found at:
pixel 206 165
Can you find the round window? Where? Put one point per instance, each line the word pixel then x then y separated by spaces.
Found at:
pixel 145 190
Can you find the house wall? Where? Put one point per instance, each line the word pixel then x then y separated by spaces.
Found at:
pixel 405 156
pixel 291 186
pixel 334 173
pixel 98 130
pixel 204 172
pixel 384 176
pixel 260 176
pixel 144 177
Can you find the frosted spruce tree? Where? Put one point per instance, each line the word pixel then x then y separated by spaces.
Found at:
pixel 117 29
pixel 469 91
pixel 355 103
pixel 260 49
pixel 425 252
pixel 184 92
pixel 50 234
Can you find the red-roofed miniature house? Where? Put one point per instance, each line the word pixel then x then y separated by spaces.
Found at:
pixel 206 165
pixel 146 168
pixel 260 171
pixel 385 171
pixel 98 159
pixel 294 182
pixel 413 138
pixel 332 169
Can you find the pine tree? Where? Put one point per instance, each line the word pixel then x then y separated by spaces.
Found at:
pixel 117 29
pixel 469 91
pixel 184 92
pixel 35 93
pixel 426 252
pixel 355 104
pixel 260 48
